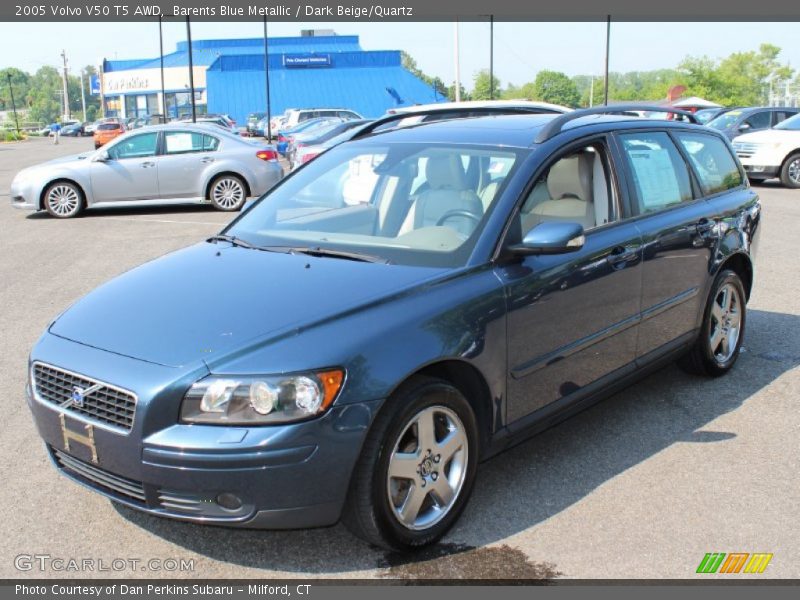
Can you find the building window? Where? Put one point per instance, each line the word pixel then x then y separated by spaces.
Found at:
pixel 141 105
pixel 179 104
pixel 113 106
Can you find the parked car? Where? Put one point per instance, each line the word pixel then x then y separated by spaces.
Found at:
pixel 318 361
pixel 747 120
pixel 704 115
pixel 252 122
pixel 318 127
pixel 307 146
pixel 220 120
pixel 107 131
pixel 772 153
pixel 284 137
pixel 295 116
pixel 177 163
pixel 74 130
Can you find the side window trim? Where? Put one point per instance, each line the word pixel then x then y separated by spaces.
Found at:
pixel 133 137
pixel 612 181
pixel 630 186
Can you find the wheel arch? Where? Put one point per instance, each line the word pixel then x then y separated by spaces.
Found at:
pixel 471 383
pixel 215 176
pixel 55 180
pixel 786 158
pixel 741 264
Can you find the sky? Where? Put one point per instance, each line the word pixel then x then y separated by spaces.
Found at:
pixel 521 49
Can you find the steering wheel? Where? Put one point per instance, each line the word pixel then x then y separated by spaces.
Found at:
pixel 459 212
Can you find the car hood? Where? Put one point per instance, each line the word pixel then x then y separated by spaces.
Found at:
pixel 768 135
pixel 209 299
pixel 61 162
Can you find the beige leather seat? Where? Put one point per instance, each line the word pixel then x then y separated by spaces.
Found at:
pixel 569 184
pixel 446 191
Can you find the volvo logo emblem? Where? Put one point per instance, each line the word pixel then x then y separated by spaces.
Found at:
pixel 79 394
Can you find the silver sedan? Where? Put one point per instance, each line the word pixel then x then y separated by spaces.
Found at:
pixel 175 163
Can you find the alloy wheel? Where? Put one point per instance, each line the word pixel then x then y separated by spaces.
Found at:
pixel 726 319
pixel 794 171
pixel 427 468
pixel 228 193
pixel 63 200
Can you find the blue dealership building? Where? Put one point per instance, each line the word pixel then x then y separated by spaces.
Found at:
pixel 315 70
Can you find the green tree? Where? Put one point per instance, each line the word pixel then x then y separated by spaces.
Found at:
pixel 44 95
pixel 20 81
pixel 555 87
pixel 482 88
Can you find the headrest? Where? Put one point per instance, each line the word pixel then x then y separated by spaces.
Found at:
pixel 445 172
pixel 571 177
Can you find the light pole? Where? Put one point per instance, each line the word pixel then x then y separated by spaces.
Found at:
pixel 161 56
pixel 191 70
pixel 608 45
pixel 266 81
pixel 491 57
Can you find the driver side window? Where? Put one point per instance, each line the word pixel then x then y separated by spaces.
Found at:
pixel 137 146
pixel 575 188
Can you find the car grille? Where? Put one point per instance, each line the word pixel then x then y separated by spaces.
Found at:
pixel 107 405
pixel 107 482
pixel 745 149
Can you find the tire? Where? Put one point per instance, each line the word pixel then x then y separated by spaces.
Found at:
pixel 63 200
pixel 790 171
pixel 377 508
pixel 717 348
pixel 228 193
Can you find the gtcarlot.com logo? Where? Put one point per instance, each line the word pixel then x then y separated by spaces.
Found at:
pixel 735 562
pixel 47 562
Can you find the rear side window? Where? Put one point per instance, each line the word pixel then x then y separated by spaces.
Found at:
pixel 659 173
pixel 712 161
pixel 760 120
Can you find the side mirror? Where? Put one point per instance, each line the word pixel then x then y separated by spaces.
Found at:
pixel 744 126
pixel 551 237
pixel 102 156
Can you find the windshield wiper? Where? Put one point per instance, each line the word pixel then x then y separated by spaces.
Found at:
pixel 231 239
pixel 345 254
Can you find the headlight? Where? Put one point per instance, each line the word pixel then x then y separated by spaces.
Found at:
pixel 261 400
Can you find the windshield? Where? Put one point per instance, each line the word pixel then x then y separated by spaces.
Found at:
pixel 792 123
pixel 401 203
pixel 704 116
pixel 725 120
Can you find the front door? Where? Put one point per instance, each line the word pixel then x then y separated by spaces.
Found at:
pixel 130 172
pixel 572 318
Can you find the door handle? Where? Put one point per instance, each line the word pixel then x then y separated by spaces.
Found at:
pixel 705 226
pixel 148 164
pixel 207 159
pixel 621 256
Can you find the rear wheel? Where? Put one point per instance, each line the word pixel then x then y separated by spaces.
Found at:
pixel 228 193
pixel 63 199
pixel 721 335
pixel 790 172
pixel 417 468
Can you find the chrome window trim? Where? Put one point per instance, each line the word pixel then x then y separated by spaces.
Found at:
pixel 76 415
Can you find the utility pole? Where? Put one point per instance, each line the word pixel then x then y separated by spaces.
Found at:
pixel 64 78
pixel 491 57
pixel 608 51
pixel 164 118
pixel 83 98
pixel 191 70
pixel 14 104
pixel 458 70
pixel 266 80
pixel 101 79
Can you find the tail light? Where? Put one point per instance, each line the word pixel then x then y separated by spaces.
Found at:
pixel 268 155
pixel 308 157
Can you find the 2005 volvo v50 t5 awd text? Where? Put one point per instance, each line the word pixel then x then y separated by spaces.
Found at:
pixel 404 306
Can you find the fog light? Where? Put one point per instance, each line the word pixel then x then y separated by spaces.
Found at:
pixel 229 501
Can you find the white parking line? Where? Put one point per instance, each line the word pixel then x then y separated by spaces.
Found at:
pixel 161 221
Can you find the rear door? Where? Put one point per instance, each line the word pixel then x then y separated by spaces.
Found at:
pixel 572 317
pixel 673 220
pixel 185 157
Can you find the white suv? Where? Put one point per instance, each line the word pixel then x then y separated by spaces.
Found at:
pixel 772 153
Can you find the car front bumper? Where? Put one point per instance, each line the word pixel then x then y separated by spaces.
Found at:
pixel 23 196
pixel 271 477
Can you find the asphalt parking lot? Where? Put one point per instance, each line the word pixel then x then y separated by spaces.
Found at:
pixel 639 486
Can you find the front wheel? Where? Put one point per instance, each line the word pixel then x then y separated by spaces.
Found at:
pixel 228 193
pixel 790 172
pixel 417 468
pixel 722 332
pixel 63 200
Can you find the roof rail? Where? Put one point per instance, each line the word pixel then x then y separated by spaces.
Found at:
pixel 483 110
pixel 556 126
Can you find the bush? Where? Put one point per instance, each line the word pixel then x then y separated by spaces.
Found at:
pixel 11 136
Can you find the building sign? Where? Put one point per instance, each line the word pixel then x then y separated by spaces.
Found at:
pixel 94 85
pixel 307 60
pixel 122 83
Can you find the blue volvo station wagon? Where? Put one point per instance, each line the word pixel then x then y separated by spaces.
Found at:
pixel 399 309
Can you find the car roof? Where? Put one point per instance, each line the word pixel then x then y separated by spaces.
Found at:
pixel 517 131
pixel 473 104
